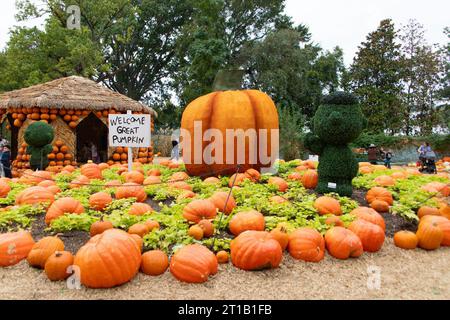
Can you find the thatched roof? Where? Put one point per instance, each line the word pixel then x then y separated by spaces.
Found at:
pixel 71 93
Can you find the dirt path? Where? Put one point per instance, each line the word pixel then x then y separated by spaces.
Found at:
pixel 404 275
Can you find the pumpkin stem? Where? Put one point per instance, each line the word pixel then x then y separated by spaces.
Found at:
pixel 59 235
pixel 58 254
pixel 228 80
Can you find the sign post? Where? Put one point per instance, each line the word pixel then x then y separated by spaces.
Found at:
pixel 131 131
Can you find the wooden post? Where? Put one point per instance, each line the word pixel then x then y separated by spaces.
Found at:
pixel 130 153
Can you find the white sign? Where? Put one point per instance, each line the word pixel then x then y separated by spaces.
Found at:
pixel 313 157
pixel 129 130
pixel 332 185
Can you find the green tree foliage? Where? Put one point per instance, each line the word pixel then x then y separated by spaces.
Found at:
pixel 34 56
pixel 216 35
pixel 421 76
pixel 376 78
pixel 291 69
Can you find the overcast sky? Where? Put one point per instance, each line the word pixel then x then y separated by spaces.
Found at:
pixel 332 22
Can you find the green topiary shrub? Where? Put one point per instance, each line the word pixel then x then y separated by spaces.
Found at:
pixel 337 122
pixel 39 136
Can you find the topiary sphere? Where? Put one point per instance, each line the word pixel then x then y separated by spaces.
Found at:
pixel 39 134
pixel 339 119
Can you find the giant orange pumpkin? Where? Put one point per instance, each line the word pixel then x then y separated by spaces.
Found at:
pixel 193 264
pixel 247 109
pixel 63 206
pixel 108 259
pixel 14 247
pixel 256 250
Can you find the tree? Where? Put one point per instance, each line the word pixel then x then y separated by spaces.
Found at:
pixel 216 35
pixel 137 39
pixel 376 79
pixel 33 56
pixel 421 76
pixel 291 69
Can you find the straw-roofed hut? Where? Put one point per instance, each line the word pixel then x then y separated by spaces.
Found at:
pixel 77 108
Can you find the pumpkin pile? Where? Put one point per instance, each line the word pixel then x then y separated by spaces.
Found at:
pixel 141 155
pixel 21 162
pixel 59 157
pixel 19 115
pixel 249 219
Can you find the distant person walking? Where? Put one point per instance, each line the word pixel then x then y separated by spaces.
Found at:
pixel 423 150
pixel 387 159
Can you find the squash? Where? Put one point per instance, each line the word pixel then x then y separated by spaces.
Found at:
pixel 43 249
pixel 246 220
pixel 14 247
pixel 220 198
pixel 370 234
pixel 63 206
pixel 154 262
pixel 406 240
pixel 255 250
pixel 306 244
pixel 57 265
pixel 193 263
pixel 327 205
pixel 119 249
pixel 139 209
pixel 310 179
pixel 131 190
pixel 247 109
pixel 198 210
pixel 342 243
pixel 100 200
pixel 379 193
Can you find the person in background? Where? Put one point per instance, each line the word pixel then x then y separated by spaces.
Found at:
pixel 423 149
pixel 5 160
pixel 372 154
pixel 175 138
pixel 94 153
pixel 387 159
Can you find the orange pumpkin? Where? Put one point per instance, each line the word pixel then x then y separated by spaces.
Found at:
pixel 180 185
pixel 14 247
pixel 154 262
pixel 152 180
pixel 278 199
pixel 255 250
pixel 280 234
pixel 295 176
pixel 425 211
pixel 193 264
pixel 253 175
pixel 178 176
pixel 135 176
pixel 222 256
pixel 212 180
pixel 100 200
pixel 249 109
pixel 334 221
pixel 43 249
pixel 220 198
pixel 4 189
pixel 198 210
pixel 79 182
pixel 406 240
pixel 380 206
pixel 207 227
pixel 310 179
pixel 343 243
pixel 58 264
pixel 91 171
pixel 327 205
pixel 279 182
pixel 246 220
pixel 371 235
pixel 237 179
pixel 306 244
pixel 131 190
pixel 119 249
pixel 140 229
pixel 384 181
pixel 370 215
pixel 154 172
pixel 429 234
pixel 139 209
pixel 63 206
pixel 379 193
pixel 443 224
pixel 35 195
pixel 99 227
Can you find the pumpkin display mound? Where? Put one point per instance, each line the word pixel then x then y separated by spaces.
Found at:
pixel 285 224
